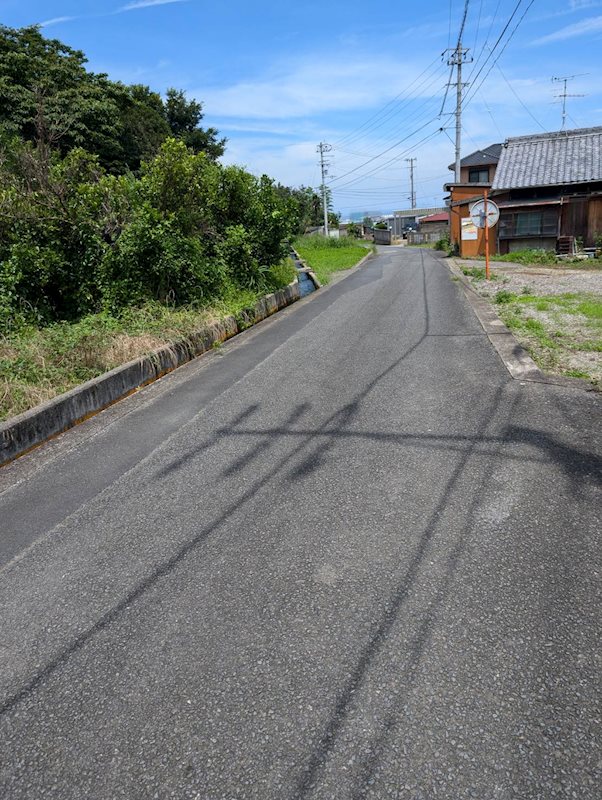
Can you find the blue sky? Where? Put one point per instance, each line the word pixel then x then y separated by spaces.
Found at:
pixel 278 78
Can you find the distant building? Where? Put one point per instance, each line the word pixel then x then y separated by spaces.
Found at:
pixel 434 224
pixel 407 220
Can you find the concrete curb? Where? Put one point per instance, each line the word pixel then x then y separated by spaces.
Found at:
pixel 517 361
pixel 21 433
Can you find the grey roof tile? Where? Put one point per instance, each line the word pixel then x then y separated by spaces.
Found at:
pixel 550 159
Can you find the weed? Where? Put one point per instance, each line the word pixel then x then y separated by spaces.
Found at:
pixel 477 273
pixel 576 373
pixel 504 296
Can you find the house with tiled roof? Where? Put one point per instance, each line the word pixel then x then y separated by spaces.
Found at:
pixel 549 190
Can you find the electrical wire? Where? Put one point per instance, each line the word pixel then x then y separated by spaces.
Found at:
pixel 527 109
pixel 476 36
pixel 392 161
pixel 352 133
pixel 426 84
pixel 384 152
pixel 485 43
pixel 493 49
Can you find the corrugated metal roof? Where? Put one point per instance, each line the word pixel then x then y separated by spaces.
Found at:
pixel 444 217
pixel 550 159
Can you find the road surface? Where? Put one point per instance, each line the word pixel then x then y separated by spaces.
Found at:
pixel 345 556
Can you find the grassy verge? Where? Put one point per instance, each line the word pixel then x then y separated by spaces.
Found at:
pixel 563 333
pixel 37 364
pixel 546 258
pixel 326 256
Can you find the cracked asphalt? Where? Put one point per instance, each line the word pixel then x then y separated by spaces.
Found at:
pixel 345 556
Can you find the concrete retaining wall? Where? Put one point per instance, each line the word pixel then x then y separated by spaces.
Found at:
pixel 19 434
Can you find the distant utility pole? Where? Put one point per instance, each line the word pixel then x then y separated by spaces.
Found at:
pixel 411 162
pixel 322 149
pixel 458 56
pixel 563 95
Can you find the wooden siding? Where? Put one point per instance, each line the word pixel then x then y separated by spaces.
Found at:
pixel 573 218
pixel 594 221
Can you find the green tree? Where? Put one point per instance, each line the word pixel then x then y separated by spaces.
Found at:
pixel 183 117
pixel 48 96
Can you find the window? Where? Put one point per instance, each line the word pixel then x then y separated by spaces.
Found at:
pixel 514 224
pixel 478 175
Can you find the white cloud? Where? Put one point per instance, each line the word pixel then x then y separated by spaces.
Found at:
pixel 147 3
pixel 55 21
pixel 312 87
pixel 589 25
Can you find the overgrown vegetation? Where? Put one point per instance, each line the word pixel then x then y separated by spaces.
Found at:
pixel 547 258
pixel 326 256
pixel 37 363
pixel 113 203
pixel 478 273
pixel 444 244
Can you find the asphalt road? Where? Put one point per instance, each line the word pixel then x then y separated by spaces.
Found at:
pixel 345 556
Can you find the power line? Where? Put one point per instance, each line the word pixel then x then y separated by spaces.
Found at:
pixel 430 81
pixel 485 43
pixel 476 36
pixel 391 161
pixel 384 152
pixel 492 50
pixel 353 134
pixel 527 109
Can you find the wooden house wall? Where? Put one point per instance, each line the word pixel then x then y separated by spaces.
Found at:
pixel 594 222
pixel 574 218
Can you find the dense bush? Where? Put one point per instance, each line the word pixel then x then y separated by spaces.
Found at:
pixel 75 240
pixel 111 196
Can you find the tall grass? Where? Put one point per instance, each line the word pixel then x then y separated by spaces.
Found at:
pixel 36 364
pixel 326 256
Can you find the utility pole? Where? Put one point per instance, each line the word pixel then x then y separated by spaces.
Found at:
pixel 411 162
pixel 563 95
pixel 458 56
pixel 322 149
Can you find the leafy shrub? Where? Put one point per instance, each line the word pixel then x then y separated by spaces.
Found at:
pixel 154 260
pixel 74 240
pixel 444 244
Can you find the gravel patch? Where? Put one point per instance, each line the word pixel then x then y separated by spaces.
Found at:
pixel 541 280
pixel 561 343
